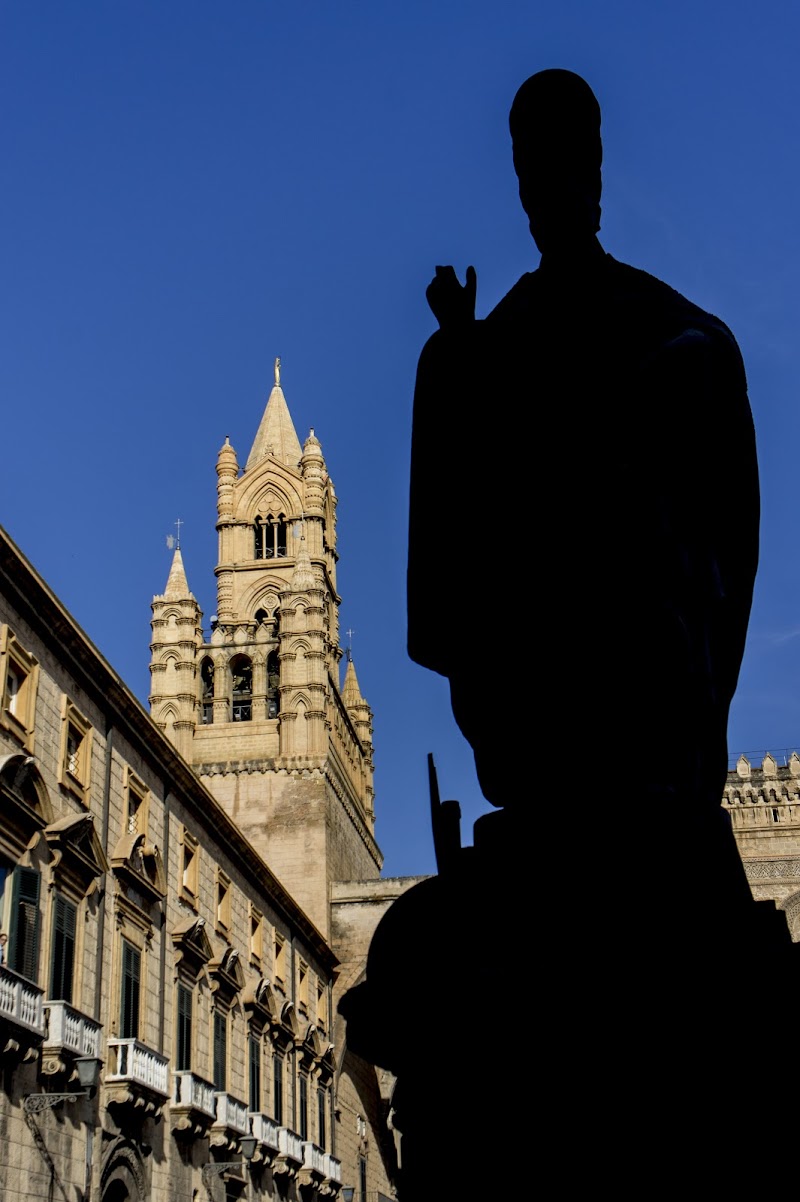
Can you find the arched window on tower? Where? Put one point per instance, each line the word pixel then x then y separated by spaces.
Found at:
pixel 207 689
pixel 242 693
pixel 269 536
pixel 273 683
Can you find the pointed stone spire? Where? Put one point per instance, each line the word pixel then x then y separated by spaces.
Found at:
pixel 303 577
pixel 276 434
pixel 351 693
pixel 177 585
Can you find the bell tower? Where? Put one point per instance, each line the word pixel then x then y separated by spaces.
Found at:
pixel 284 748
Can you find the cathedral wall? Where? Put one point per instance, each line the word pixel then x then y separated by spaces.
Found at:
pixel 225 741
pixel 283 815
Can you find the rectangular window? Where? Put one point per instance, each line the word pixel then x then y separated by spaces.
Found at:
pixel 322 1007
pixel 129 991
pixel 256 935
pixel 183 1042
pixel 362 1179
pixel 303 1106
pixel 63 956
pixel 255 1074
pixel 280 962
pixel 277 1089
pixel 136 805
pixel 302 988
pixel 75 752
pixel 18 678
pixel 23 943
pixel 322 1102
pixel 220 1051
pixel 223 901
pixel 190 857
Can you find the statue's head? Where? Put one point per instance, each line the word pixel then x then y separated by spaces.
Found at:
pixel 555 136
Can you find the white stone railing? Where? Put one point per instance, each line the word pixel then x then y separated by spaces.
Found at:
pixel 333 1169
pixel 191 1090
pixel 290 1145
pixel 131 1060
pixel 68 1028
pixel 231 1113
pixel 264 1129
pixel 21 1002
pixel 314 1158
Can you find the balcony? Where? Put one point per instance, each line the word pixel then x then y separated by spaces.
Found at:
pixel 21 1012
pixel 312 1170
pixel 137 1077
pixel 231 1122
pixel 69 1034
pixel 290 1153
pixel 193 1107
pixel 266 1132
pixel 333 1170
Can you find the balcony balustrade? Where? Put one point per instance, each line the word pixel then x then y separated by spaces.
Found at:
pixel 313 1159
pixel 265 1130
pixel 69 1034
pixel 333 1169
pixel 137 1076
pixel 71 1030
pixel 193 1107
pixel 290 1152
pixel 232 1121
pixel 21 1006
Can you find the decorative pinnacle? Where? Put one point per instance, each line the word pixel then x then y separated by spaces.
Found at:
pixel 277 372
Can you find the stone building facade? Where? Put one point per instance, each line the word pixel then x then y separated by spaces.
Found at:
pixel 764 805
pixel 186 895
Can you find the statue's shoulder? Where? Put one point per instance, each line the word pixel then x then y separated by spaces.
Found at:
pixel 659 302
pixel 516 301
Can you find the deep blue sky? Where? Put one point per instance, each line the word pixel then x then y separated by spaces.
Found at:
pixel 189 189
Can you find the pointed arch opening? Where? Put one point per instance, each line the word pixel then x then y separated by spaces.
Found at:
pixel 242 688
pixel 207 690
pixel 273 685
pixel 269 537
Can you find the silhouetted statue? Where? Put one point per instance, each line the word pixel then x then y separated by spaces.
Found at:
pixel 583 546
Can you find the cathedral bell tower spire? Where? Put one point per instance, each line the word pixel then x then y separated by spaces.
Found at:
pixel 269 730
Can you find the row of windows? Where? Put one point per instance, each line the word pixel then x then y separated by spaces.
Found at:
pixel 259 930
pixel 22 956
pixel 19 681
pixel 259 1097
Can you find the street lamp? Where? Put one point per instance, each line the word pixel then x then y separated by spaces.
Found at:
pixel 348 1193
pixel 215 1168
pixel 88 1068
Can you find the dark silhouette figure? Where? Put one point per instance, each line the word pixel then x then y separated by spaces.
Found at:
pixel 564 997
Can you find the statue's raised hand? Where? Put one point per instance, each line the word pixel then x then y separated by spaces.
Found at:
pixel 453 304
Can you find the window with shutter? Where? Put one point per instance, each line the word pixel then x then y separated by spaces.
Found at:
pixel 23 943
pixel 129 999
pixel 220 1051
pixel 255 1074
pixel 184 1035
pixel 277 1088
pixel 63 957
pixel 303 1107
pixel 321 1123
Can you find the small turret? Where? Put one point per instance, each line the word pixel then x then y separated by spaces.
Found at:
pixel 177 633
